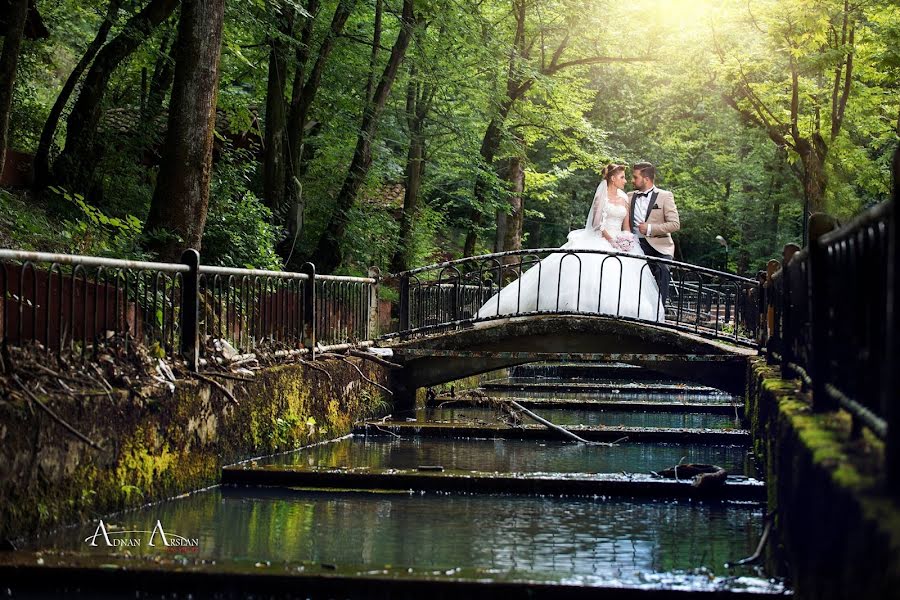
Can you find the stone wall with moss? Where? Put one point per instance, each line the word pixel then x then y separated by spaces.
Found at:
pixel 837 534
pixel 160 447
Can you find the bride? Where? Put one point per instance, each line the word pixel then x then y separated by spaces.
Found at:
pixel 619 283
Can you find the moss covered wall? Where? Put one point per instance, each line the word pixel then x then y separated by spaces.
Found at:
pixel 837 535
pixel 160 447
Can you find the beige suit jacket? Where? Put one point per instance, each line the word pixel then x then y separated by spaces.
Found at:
pixel 664 222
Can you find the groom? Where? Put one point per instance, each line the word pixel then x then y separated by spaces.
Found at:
pixel 654 218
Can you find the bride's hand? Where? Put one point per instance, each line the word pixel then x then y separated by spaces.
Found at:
pixel 606 235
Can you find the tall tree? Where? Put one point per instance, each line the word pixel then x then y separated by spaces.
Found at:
pixel 327 255
pixel 305 87
pixel 75 165
pixel 814 51
pixel 276 111
pixel 9 61
pixel 522 73
pixel 181 198
pixel 42 157
pixel 419 96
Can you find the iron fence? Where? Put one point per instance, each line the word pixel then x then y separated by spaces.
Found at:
pixel 457 293
pixel 832 309
pixel 79 303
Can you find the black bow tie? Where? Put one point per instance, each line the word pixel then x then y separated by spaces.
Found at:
pixel 643 194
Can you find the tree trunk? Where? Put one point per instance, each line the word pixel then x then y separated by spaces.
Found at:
pixel 813 154
pixel 490 144
pixel 512 239
pixel 42 157
pixel 328 251
pixel 376 44
pixel 417 107
pixel 181 198
pixel 9 62
pixel 163 72
pixel 276 117
pixel 303 93
pixel 75 166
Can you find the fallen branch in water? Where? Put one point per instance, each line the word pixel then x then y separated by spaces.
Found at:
pixel 759 547
pixel 55 416
pixel 704 476
pixel 562 430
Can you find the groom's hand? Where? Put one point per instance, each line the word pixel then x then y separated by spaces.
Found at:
pixel 642 227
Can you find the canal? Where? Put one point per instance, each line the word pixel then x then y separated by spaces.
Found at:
pixel 467 489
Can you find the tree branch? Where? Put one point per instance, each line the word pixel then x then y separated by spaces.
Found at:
pixel 594 60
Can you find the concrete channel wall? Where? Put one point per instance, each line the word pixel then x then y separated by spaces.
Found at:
pixel 837 534
pixel 164 445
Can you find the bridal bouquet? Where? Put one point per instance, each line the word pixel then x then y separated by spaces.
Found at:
pixel 624 242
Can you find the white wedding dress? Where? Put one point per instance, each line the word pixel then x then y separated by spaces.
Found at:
pixel 614 284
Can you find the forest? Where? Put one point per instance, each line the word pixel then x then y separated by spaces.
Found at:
pixel 399 133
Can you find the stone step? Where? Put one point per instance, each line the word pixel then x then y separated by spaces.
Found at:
pixel 42 575
pixel 560 386
pixel 538 432
pixel 429 478
pixel 717 408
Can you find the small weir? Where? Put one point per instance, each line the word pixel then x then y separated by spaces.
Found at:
pixel 463 496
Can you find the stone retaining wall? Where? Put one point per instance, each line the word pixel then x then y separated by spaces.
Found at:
pixel 160 447
pixel 837 535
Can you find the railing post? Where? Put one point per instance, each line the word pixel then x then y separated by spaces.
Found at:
pixel 372 327
pixel 773 335
pixel 888 389
pixel 787 321
pixel 761 304
pixel 404 304
pixel 190 309
pixel 309 307
pixel 820 301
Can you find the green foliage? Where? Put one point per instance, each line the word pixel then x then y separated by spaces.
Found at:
pixel 664 103
pixel 239 232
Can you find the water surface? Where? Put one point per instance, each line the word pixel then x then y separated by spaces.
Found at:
pixel 581 540
pixel 508 456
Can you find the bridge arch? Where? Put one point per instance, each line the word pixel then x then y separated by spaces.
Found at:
pixel 486 346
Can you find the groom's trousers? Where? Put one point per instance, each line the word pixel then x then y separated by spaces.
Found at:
pixel 660 272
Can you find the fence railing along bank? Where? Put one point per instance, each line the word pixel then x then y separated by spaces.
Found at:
pixel 832 317
pixel 80 302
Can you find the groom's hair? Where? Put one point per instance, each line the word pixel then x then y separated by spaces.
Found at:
pixel 646 169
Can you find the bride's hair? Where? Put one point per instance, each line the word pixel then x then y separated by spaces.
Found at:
pixel 611 170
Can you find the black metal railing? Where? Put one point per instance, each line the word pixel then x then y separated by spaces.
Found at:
pixel 452 294
pixel 78 303
pixel 832 320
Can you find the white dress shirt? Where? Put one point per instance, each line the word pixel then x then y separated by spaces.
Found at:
pixel 640 210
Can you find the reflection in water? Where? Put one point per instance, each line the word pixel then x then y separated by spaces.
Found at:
pixel 509 456
pixel 543 539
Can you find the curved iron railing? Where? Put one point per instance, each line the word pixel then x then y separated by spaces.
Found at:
pixel 461 292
